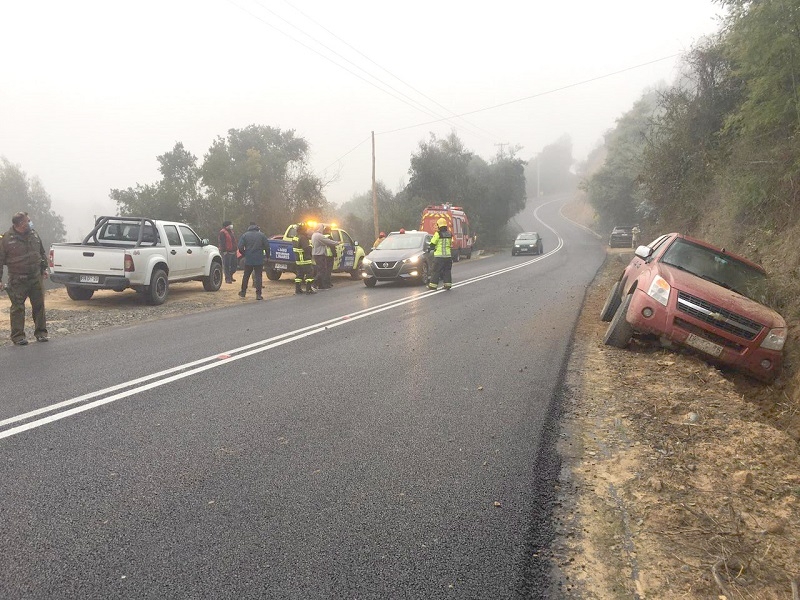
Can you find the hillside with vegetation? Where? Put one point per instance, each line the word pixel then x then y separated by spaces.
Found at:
pixel 717 156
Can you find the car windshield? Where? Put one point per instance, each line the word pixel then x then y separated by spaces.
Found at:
pixel 528 236
pixel 717 267
pixel 402 241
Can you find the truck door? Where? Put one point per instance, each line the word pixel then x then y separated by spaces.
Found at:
pixel 345 251
pixel 195 257
pixel 176 253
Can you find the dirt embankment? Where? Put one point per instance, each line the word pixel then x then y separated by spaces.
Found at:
pixel 680 481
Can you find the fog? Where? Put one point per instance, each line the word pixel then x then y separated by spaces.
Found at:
pixel 92 91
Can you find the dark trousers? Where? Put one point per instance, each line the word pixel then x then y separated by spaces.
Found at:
pixel 20 290
pixel 229 265
pixel 257 272
pixel 328 270
pixel 442 269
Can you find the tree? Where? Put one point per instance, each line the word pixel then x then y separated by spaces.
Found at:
pixel 261 173
pixel 174 198
pixel 18 193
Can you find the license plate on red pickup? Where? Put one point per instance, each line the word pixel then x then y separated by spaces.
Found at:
pixel 702 344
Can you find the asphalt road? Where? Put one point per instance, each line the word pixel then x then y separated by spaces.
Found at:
pixel 361 443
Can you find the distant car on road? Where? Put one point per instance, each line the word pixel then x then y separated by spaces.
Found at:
pixel 401 256
pixel 690 293
pixel 621 236
pixel 528 242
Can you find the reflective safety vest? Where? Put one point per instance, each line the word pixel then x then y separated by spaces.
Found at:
pixel 442 244
pixel 300 253
pixel 328 249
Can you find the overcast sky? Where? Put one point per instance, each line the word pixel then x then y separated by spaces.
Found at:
pixel 92 91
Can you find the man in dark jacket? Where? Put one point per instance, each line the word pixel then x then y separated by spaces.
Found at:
pixel 21 250
pixel 253 244
pixel 227 247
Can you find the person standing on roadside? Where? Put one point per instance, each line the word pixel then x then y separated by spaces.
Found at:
pixel 441 246
pixel 330 254
pixel 304 259
pixel 319 247
pixel 253 245
pixel 22 252
pixel 227 247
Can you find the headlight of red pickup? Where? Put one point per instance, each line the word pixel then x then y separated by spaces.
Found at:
pixel 775 339
pixel 659 290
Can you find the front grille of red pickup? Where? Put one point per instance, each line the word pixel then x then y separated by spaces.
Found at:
pixel 718 317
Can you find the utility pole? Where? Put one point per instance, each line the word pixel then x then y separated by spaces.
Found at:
pixel 374 190
pixel 502 145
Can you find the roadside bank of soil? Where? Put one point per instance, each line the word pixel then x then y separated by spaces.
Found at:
pixel 674 484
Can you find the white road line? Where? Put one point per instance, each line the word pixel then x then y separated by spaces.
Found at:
pixel 136 386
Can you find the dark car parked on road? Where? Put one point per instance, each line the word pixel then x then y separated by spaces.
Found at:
pixel 401 256
pixel 621 236
pixel 528 242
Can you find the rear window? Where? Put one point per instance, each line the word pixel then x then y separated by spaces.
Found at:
pixel 402 241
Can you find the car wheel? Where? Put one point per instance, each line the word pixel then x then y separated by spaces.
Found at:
pixel 158 289
pixel 213 282
pixel 78 293
pixel 355 274
pixel 370 282
pixel 619 331
pixel 426 274
pixel 273 274
pixel 611 305
pixel 513 253
pixel 540 248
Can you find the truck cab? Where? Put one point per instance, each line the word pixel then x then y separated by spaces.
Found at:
pixel 457 223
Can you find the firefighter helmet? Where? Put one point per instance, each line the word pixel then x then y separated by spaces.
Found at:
pixel 442 222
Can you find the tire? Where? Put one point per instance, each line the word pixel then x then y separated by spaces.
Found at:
pixel 513 253
pixel 619 332
pixel 425 277
pixel 540 247
pixel 158 289
pixel 611 305
pixel 273 274
pixel 456 256
pixel 355 274
pixel 213 282
pixel 79 294
pixel 370 282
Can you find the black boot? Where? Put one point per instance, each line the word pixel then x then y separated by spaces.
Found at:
pixel 298 289
pixel 309 289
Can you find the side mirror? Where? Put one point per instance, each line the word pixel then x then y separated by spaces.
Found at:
pixel 355 243
pixel 644 252
pixel 204 242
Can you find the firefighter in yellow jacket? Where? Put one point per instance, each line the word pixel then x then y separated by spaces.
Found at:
pixel 305 262
pixel 22 252
pixel 442 247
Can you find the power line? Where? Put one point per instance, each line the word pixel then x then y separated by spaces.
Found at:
pixel 553 91
pixel 409 100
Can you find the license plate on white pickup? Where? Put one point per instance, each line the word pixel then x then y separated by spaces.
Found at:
pixel 281 266
pixel 704 345
pixel 90 279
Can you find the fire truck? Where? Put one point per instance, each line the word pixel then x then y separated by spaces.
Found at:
pixel 457 223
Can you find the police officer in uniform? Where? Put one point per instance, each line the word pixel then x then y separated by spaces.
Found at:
pixel 21 250
pixel 441 246
pixel 305 262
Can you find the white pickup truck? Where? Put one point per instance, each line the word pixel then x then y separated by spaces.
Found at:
pixel 132 252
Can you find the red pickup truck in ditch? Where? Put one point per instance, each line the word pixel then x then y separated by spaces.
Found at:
pixel 692 294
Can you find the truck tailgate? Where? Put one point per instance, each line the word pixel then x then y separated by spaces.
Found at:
pixel 90 260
